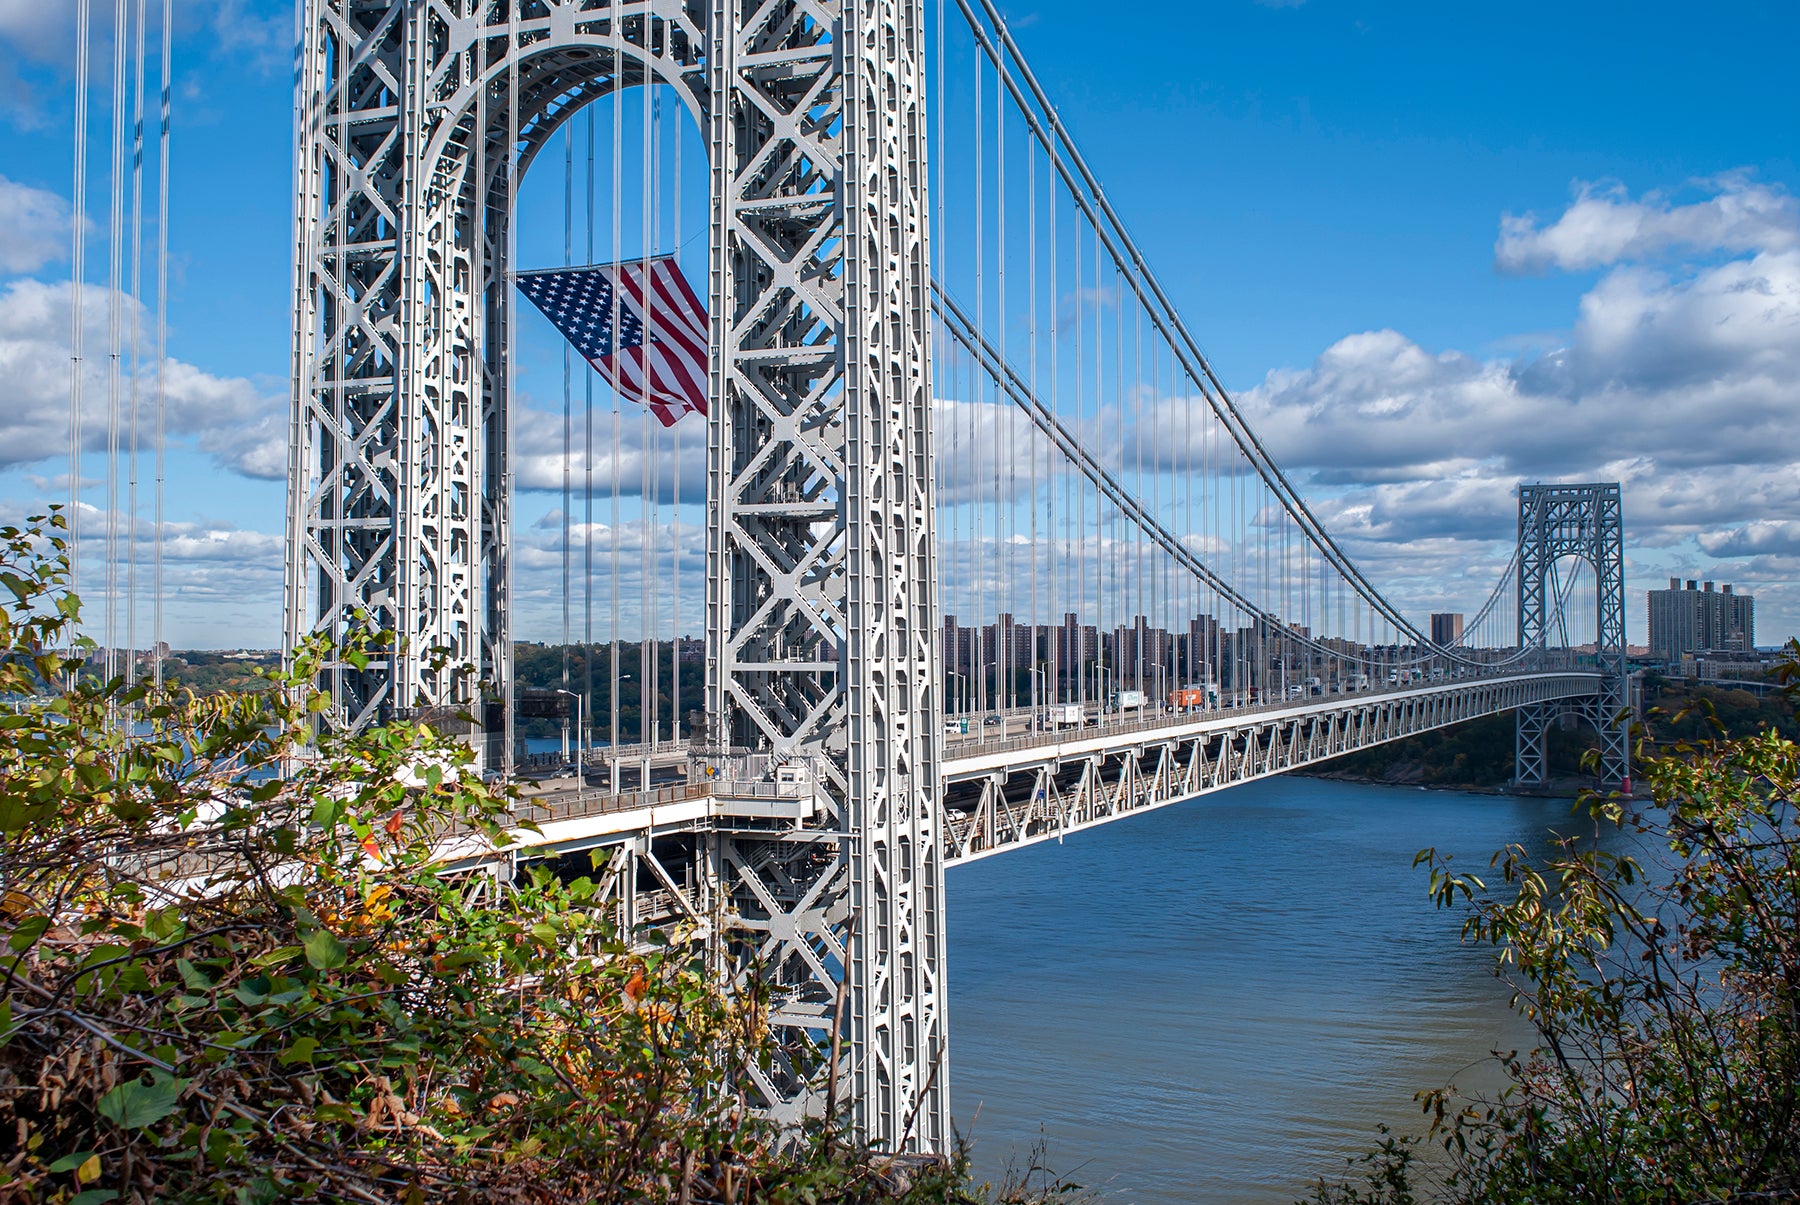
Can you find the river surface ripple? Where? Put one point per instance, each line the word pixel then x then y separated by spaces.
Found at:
pixel 1219 1000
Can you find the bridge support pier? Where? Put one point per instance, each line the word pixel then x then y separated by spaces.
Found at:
pixel 417 122
pixel 1531 743
pixel 821 547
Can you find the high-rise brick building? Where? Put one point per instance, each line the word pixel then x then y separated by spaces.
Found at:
pixel 1698 619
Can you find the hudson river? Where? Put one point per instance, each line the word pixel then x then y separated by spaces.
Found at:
pixel 1218 1001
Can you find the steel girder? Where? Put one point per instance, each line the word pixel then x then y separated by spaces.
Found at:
pixel 1585 521
pixel 1040 790
pixel 417 118
pixel 821 547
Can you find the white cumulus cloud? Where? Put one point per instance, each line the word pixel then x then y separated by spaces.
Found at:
pixel 1694 371
pixel 1606 226
pixel 229 417
pixel 35 227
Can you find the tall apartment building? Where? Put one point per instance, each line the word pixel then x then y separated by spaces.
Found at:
pixel 1446 627
pixel 1695 619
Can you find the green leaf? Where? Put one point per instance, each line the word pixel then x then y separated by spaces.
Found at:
pixel 69 1163
pixel 300 1052
pixel 28 931
pixel 135 1104
pixel 324 950
pixel 94 1196
pixel 282 954
pixel 326 812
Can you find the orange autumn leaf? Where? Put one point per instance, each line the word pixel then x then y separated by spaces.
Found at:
pixel 634 987
pixel 369 847
pixel 393 824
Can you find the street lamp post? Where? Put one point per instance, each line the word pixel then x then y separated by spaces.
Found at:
pixel 580 753
pixel 613 774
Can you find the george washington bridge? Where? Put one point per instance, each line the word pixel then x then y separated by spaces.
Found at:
pixel 982 551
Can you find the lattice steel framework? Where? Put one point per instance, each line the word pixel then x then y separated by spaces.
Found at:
pixel 416 120
pixel 1587 522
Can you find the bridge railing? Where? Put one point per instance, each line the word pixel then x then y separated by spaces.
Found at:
pixel 1158 720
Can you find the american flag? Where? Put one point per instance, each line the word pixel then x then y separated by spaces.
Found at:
pixel 658 360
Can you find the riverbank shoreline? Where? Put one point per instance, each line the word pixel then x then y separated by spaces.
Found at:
pixel 1412 775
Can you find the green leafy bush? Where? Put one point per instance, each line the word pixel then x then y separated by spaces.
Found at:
pixel 246 964
pixel 1665 993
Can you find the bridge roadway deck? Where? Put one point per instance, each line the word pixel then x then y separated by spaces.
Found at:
pixel 1019 790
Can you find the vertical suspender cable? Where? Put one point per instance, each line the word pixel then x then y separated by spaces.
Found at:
pixel 1159 436
pixel 1141 608
pixel 587 482
pixel 568 431
pixel 1075 508
pixel 1140 581
pixel 1031 252
pixel 1099 561
pixel 114 343
pixel 675 128
pixel 977 556
pixel 616 257
pixel 509 346
pixel 1190 599
pixel 77 267
pixel 162 327
pixel 1060 554
pixel 1120 584
pixel 1003 500
pixel 651 450
pixel 136 243
pixel 942 359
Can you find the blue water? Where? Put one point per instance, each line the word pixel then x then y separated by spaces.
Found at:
pixel 1218 1001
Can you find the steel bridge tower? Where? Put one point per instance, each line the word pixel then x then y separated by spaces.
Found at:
pixel 417 119
pixel 1586 522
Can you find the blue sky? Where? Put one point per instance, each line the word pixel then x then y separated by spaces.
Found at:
pixel 1324 186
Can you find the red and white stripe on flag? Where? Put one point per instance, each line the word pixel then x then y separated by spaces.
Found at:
pixel 667 371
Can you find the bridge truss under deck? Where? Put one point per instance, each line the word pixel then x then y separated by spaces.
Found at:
pixel 1048 787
